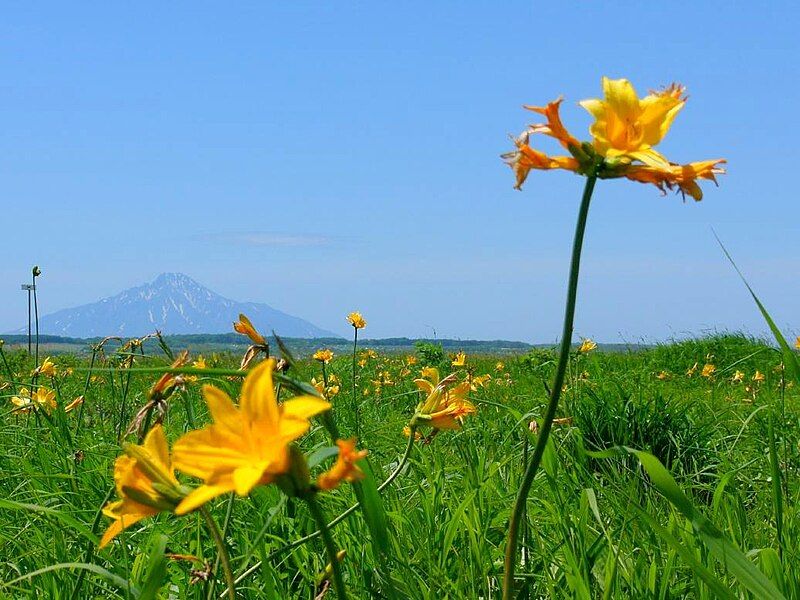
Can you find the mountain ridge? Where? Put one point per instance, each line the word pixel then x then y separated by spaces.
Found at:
pixel 175 304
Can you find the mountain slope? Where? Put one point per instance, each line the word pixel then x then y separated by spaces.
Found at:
pixel 174 304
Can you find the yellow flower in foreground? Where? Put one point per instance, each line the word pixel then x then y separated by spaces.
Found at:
pixel 324 355
pixel 245 446
pixel 47 368
pixel 245 327
pixel 460 360
pixel 624 134
pixel 626 126
pixel 445 404
pixel 345 468
pixel 45 398
pixel 23 400
pixel 356 320
pixel 708 370
pixel 145 483
pixel 587 346
pixel 74 404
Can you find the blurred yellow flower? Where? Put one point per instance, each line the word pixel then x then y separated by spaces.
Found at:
pixel 200 363
pixel 45 398
pixel 625 131
pixel 797 342
pixel 758 376
pixel 407 432
pixel 460 360
pixel 356 320
pixel 662 376
pixel 692 370
pixel 708 370
pixel 324 355
pixel 445 403
pixel 245 446
pixel 23 401
pixel 479 381
pixel 738 377
pixel 345 468
pixel 145 483
pixel 74 404
pixel 587 346
pixel 499 367
pixel 47 368
pixel 245 327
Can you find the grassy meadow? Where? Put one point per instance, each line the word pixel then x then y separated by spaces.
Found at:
pixel 716 412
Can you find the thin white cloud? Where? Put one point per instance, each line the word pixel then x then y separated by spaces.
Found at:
pixel 264 239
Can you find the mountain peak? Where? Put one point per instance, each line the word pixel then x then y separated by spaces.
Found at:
pixel 173 303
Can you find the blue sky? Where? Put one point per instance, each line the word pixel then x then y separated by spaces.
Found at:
pixel 325 157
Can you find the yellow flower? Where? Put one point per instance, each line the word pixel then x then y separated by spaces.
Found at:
pixel 245 327
pixel 480 381
pixel 624 134
pixel 45 398
pixel 796 342
pixel 662 376
pixel 245 446
pixel 692 370
pixel 499 367
pixel 708 370
pixel 23 400
pixel 758 376
pixel 407 432
pixel 738 377
pixel 145 483
pixel 459 360
pixel 168 382
pixel 74 404
pixel 345 468
pixel 356 320
pixel 47 368
pixel 626 126
pixel 445 405
pixel 324 355
pixel 587 346
pixel 200 363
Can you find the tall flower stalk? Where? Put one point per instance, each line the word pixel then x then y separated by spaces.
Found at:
pixel 624 133
pixel 357 321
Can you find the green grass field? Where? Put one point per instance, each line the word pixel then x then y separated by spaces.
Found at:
pixel 597 526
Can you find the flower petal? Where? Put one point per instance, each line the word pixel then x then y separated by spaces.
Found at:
pixel 203 494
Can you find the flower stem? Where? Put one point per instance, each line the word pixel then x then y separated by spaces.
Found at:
pixel 555 394
pixel 330 545
pixel 222 552
pixel 355 398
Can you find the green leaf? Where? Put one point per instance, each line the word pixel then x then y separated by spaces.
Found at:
pixel 156 571
pixel 371 505
pixel 110 577
pixel 60 515
pixel 729 555
pixel 790 359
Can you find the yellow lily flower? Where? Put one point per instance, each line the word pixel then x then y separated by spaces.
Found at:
pixel 626 126
pixel 245 327
pixel 74 404
pixel 738 377
pixel 145 483
pixel 23 401
pixel 708 370
pixel 624 134
pixel 45 398
pixel 47 368
pixel 460 360
pixel 324 355
pixel 345 468
pixel 759 376
pixel 587 346
pixel 797 343
pixel 245 446
pixel 356 320
pixel 444 405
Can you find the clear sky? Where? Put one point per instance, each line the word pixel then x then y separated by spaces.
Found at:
pixel 326 157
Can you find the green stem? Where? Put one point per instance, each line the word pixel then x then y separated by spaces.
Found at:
pixel 300 541
pixel 86 389
pixel 555 394
pixel 330 545
pixel 8 369
pixel 222 552
pixel 355 398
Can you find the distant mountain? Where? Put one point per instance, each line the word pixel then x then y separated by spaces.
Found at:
pixel 174 304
